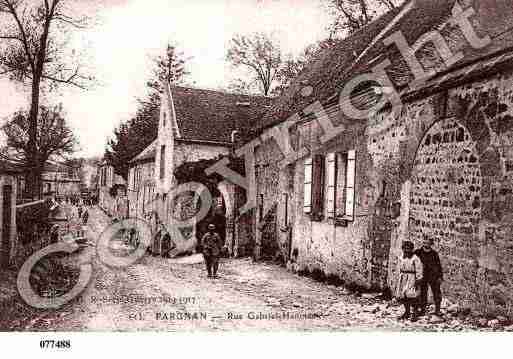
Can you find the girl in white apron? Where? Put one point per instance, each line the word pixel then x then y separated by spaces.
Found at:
pixel 409 277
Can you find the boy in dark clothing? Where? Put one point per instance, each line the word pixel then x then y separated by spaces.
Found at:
pixel 433 275
pixel 212 244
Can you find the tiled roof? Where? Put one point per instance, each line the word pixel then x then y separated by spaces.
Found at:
pixel 147 154
pixel 324 73
pixel 208 115
pixel 356 54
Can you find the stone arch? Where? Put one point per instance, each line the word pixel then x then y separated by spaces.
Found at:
pixel 221 213
pixel 445 200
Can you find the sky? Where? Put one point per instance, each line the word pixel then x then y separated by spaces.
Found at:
pixel 118 48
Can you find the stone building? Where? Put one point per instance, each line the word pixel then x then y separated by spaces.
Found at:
pixel 112 192
pixel 141 183
pixel 60 180
pixel 440 164
pixel 197 127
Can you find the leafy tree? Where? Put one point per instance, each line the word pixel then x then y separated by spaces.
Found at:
pixel 54 138
pixel 133 136
pixel 169 68
pixel 32 51
pixel 352 15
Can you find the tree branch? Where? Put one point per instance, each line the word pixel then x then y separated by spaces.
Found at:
pixel 12 10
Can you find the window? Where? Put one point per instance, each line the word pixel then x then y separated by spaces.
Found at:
pixel 331 182
pixel 308 186
pixel 340 185
pixel 350 183
pixel 137 178
pixel 132 179
pixel 314 186
pixel 164 117
pixel 162 162
pixel 103 175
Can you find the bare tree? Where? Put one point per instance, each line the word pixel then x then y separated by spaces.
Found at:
pixel 260 55
pixel 32 52
pixel 54 138
pixel 294 65
pixel 352 15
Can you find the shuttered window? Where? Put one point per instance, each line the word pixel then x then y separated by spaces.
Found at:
pixel 308 186
pixel 139 179
pixel 331 181
pixel 314 186
pixel 350 183
pixel 318 187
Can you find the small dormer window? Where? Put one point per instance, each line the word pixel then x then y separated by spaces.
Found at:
pixel 164 117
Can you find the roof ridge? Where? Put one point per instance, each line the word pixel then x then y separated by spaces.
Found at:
pixel 221 91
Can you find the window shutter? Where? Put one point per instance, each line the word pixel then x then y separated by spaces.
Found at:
pixel 350 183
pixel 331 184
pixel 317 185
pixel 307 193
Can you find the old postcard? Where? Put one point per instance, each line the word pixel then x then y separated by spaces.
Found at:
pixel 256 165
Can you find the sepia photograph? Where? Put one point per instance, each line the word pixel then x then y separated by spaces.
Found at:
pixel 297 166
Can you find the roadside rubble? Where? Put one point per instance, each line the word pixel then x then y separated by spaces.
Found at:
pixel 454 317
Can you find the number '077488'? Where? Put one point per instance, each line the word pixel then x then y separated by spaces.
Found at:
pixel 55 344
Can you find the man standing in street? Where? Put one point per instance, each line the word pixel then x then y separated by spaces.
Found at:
pixel 212 246
pixel 433 275
pixel 85 216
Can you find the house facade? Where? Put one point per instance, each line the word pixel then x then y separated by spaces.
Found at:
pixel 141 183
pixel 439 165
pixel 112 192
pixel 60 181
pixel 197 128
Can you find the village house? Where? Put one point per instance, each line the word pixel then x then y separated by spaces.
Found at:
pixel 112 193
pixel 197 127
pixel 58 180
pixel 141 183
pixel 441 166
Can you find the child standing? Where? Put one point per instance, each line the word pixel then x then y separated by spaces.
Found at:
pixel 432 277
pixel 409 272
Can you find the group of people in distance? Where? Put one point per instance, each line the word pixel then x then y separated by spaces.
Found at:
pixel 418 270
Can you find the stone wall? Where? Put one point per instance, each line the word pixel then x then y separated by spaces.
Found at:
pixel 441 168
pixel 453 150
pixel 141 191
